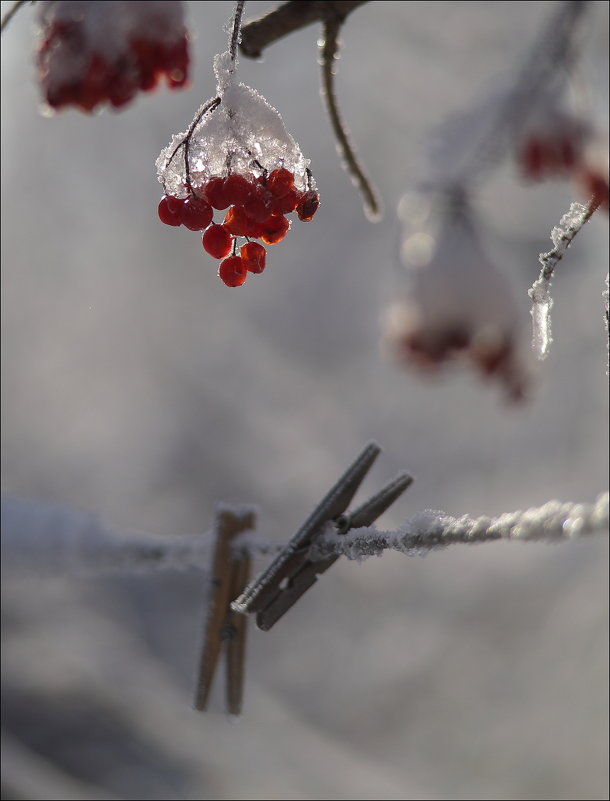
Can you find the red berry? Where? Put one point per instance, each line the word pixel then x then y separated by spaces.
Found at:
pixel 197 214
pixel 233 271
pixel 280 181
pixel 238 189
pixel 288 203
pixel 217 241
pixel 308 206
pixel 213 193
pixel 260 206
pixel 237 222
pixel 170 210
pixel 274 229
pixel 253 256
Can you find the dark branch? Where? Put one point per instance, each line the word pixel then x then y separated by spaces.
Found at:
pixel 236 30
pixel 12 11
pixel 329 48
pixel 289 17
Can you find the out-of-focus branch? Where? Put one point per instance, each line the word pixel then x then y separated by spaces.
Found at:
pixel 12 11
pixel 289 17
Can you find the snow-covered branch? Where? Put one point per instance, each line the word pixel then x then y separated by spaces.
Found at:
pixel 45 539
pixel 430 530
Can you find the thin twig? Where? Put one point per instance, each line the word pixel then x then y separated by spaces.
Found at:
pixel 329 48
pixel 12 11
pixel 290 17
pixel 236 28
pixel 209 106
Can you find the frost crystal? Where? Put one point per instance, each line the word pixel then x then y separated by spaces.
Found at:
pixel 239 133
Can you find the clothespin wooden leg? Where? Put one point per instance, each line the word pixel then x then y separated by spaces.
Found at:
pixel 228 569
pixel 236 643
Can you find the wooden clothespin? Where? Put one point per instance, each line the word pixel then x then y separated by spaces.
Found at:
pixel 230 574
pixel 291 573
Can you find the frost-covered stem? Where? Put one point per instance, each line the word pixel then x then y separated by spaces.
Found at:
pixel 540 291
pixel 289 17
pixel 606 297
pixel 329 48
pixel 236 29
pixel 11 12
pixel 584 213
pixel 430 531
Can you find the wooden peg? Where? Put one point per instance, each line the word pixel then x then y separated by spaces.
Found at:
pixel 230 574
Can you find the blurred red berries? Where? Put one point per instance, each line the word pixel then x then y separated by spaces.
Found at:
pixel 90 55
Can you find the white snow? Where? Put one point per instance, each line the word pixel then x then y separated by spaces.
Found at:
pixel 242 134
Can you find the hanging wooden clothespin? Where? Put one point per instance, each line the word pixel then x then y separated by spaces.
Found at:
pixel 223 627
pixel 292 572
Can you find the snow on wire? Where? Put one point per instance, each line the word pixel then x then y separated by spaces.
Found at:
pixel 44 539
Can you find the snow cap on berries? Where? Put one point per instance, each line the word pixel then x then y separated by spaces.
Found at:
pixel 95 52
pixel 240 133
pixel 458 304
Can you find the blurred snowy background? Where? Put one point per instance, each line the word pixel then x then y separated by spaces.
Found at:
pixel 138 387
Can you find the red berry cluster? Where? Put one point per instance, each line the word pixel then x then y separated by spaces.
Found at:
pixel 255 209
pixel 558 155
pixel 73 73
pixel 540 157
